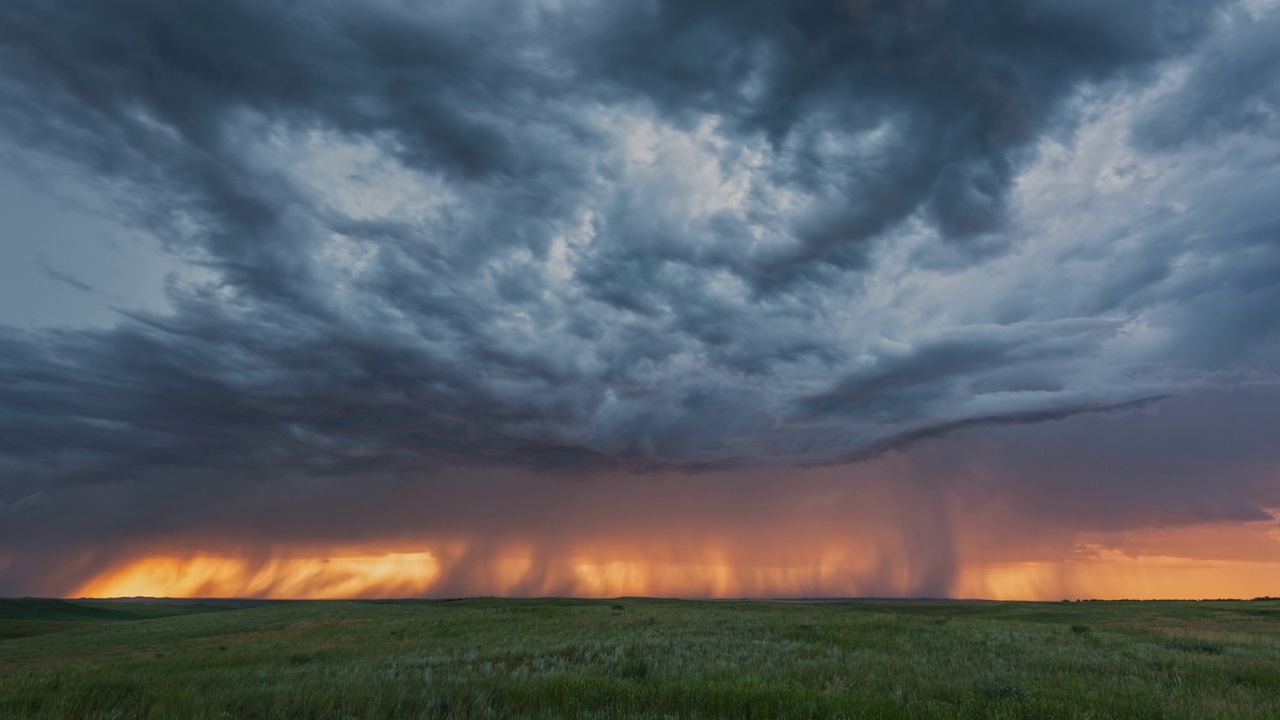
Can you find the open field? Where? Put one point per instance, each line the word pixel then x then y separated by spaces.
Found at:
pixel 637 658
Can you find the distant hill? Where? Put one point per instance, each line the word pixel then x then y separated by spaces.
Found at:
pixel 21 617
pixel 48 609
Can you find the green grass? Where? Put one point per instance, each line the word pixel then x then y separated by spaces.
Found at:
pixel 637 658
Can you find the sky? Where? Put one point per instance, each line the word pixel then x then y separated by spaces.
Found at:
pixel 703 298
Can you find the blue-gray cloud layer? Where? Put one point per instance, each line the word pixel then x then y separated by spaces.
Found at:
pixel 640 234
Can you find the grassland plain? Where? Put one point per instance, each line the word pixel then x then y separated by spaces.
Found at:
pixel 640 658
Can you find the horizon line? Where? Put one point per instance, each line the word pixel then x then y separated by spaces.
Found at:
pixel 121 598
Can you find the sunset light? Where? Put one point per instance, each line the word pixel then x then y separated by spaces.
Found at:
pixel 1091 571
pixel 417 575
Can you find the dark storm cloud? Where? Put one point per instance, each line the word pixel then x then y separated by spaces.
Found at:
pixel 1234 88
pixel 967 83
pixel 640 234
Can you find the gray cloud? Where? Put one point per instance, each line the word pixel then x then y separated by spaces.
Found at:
pixel 607 237
pixel 56 273
pixel 1229 87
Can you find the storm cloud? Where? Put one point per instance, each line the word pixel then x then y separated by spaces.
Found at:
pixel 640 237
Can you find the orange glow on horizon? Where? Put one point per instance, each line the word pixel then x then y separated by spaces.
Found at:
pixel 1100 573
pixel 1115 576
pixel 389 575
pixel 420 574
pixel 989 553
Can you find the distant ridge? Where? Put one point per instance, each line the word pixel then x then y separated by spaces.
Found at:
pixel 51 609
pixel 31 609
pixel 219 603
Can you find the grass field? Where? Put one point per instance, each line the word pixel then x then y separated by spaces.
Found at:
pixel 636 658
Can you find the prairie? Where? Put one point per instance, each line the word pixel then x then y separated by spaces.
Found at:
pixel 640 658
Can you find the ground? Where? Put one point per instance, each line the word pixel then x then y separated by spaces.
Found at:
pixel 639 658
